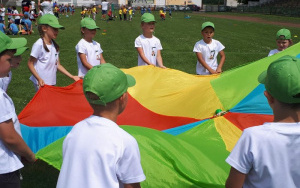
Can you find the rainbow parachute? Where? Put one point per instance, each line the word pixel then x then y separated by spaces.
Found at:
pixel 171 115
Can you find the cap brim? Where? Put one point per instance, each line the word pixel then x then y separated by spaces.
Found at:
pixel 262 77
pixel 20 51
pixel 17 43
pixel 57 26
pixel 131 80
pixel 92 27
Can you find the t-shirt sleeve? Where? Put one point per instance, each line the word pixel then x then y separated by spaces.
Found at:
pixel 36 50
pixel 138 43
pixel 6 113
pixel 159 46
pixel 220 46
pixel 99 46
pixel 129 169
pixel 241 157
pixel 197 48
pixel 80 48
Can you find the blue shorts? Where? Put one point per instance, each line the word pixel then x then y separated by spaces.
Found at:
pixel 104 12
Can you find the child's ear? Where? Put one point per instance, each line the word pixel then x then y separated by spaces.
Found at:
pixel 269 97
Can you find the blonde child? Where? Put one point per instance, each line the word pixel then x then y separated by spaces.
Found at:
pixel 12 145
pixel 207 51
pixel 148 46
pixel 44 58
pixel 89 52
pixel 283 41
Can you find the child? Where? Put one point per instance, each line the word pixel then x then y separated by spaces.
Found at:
pixel 89 52
pixel 16 60
pixel 162 14
pixel 12 145
pixel 73 10
pixel 27 25
pixel 2 13
pixel 94 12
pixel 2 26
pixel 130 13
pixel 124 13
pixel 113 158
pixel 148 46
pixel 120 13
pixel 207 51
pixel 32 17
pixel 170 12
pixel 17 17
pixel 44 58
pixel 55 10
pixel 268 155
pixel 13 28
pixel 283 41
pixel 83 12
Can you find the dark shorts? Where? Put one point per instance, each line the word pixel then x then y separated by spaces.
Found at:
pixel 17 21
pixel 10 180
pixel 104 12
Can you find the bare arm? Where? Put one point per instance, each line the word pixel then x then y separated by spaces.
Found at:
pixel 39 3
pixel 84 61
pixel 204 64
pixel 65 72
pixel 235 179
pixel 222 61
pixel 14 141
pixel 159 59
pixel 102 60
pixel 30 64
pixel 144 58
pixel 132 185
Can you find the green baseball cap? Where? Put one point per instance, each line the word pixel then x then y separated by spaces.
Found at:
pixel 11 43
pixel 107 82
pixel 282 79
pixel 88 23
pixel 208 24
pixel 283 34
pixel 147 17
pixel 51 20
pixel 21 51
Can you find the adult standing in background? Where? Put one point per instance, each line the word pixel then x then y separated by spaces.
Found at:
pixel 104 7
pixel 26 6
pixel 46 6
pixel 33 6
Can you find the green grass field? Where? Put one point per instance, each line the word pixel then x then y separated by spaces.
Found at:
pixel 245 42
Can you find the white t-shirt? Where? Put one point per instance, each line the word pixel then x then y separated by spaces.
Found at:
pixel 2 11
pixel 47 7
pixel 98 153
pixel 150 47
pixel 92 51
pixel 4 82
pixel 46 64
pixel 272 52
pixel 104 5
pixel 9 161
pixel 32 5
pixel 209 53
pixel 269 154
pixel 16 12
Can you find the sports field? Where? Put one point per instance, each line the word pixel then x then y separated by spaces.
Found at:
pixel 245 40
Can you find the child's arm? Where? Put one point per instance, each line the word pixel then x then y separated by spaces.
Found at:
pixel 30 64
pixel 65 72
pixel 235 179
pixel 204 64
pixel 13 141
pixel 144 58
pixel 222 61
pixel 159 60
pixel 102 60
pixel 84 61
